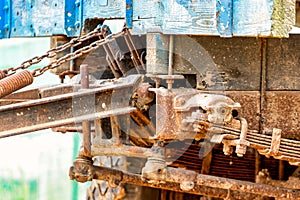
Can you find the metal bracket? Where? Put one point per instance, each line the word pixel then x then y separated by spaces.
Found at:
pixel 73 17
pixel 5 18
pixel 275 145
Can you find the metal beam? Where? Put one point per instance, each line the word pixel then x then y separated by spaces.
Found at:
pixel 67 108
pixel 207 185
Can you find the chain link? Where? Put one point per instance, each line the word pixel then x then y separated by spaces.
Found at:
pixel 52 53
pixel 78 53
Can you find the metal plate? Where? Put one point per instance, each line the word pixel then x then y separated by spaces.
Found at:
pixel 283 112
pixel 250 102
pixel 283 63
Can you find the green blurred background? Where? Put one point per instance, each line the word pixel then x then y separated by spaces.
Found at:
pixel 36 165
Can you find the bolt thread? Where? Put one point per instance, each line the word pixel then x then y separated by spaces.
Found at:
pixel 15 82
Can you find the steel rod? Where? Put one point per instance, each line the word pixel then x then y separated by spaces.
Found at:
pixel 86 125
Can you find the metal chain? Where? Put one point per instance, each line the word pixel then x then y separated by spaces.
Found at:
pixel 52 53
pixel 84 50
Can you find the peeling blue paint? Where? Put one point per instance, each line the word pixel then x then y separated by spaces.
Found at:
pixel 129 13
pixel 224 17
pixel 252 18
pixel 73 17
pixel 5 18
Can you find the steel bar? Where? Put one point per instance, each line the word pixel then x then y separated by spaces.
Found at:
pixel 170 67
pixel 138 63
pixel 86 125
pixel 136 54
pixel 121 68
pixel 66 109
pixel 245 186
pixel 64 122
pixel 111 63
pixel 112 175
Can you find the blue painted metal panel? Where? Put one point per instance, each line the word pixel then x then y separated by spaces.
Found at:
pixel 73 17
pixel 129 13
pixel 224 17
pixel 105 9
pixel 5 18
pixel 184 17
pixel 22 18
pixel 37 18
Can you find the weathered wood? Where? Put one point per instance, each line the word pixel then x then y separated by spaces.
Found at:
pixel 103 9
pixel 225 18
pixel 283 17
pixel 270 18
pixel 263 18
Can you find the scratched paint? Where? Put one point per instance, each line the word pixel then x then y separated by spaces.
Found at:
pixel 31 18
pixel 185 17
pixel 225 18
pixel 252 18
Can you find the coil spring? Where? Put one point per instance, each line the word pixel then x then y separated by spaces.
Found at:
pixel 15 82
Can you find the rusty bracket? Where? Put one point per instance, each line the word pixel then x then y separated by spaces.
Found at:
pixel 82 171
pixel 275 145
pixel 242 144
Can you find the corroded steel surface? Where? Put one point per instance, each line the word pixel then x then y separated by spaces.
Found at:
pixel 250 106
pixel 283 59
pixel 282 111
pixel 175 179
pixel 65 109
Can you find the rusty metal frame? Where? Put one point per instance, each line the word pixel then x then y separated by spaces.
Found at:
pixel 175 179
pixel 59 110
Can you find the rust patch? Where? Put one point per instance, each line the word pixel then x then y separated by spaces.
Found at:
pixel 250 101
pixel 283 112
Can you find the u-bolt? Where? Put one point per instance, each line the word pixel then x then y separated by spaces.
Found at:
pixel 242 143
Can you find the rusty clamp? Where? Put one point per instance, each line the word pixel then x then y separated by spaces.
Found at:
pixel 275 144
pixel 229 141
pixel 242 143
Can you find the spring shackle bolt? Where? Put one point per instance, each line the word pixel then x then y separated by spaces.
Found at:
pixel 15 82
